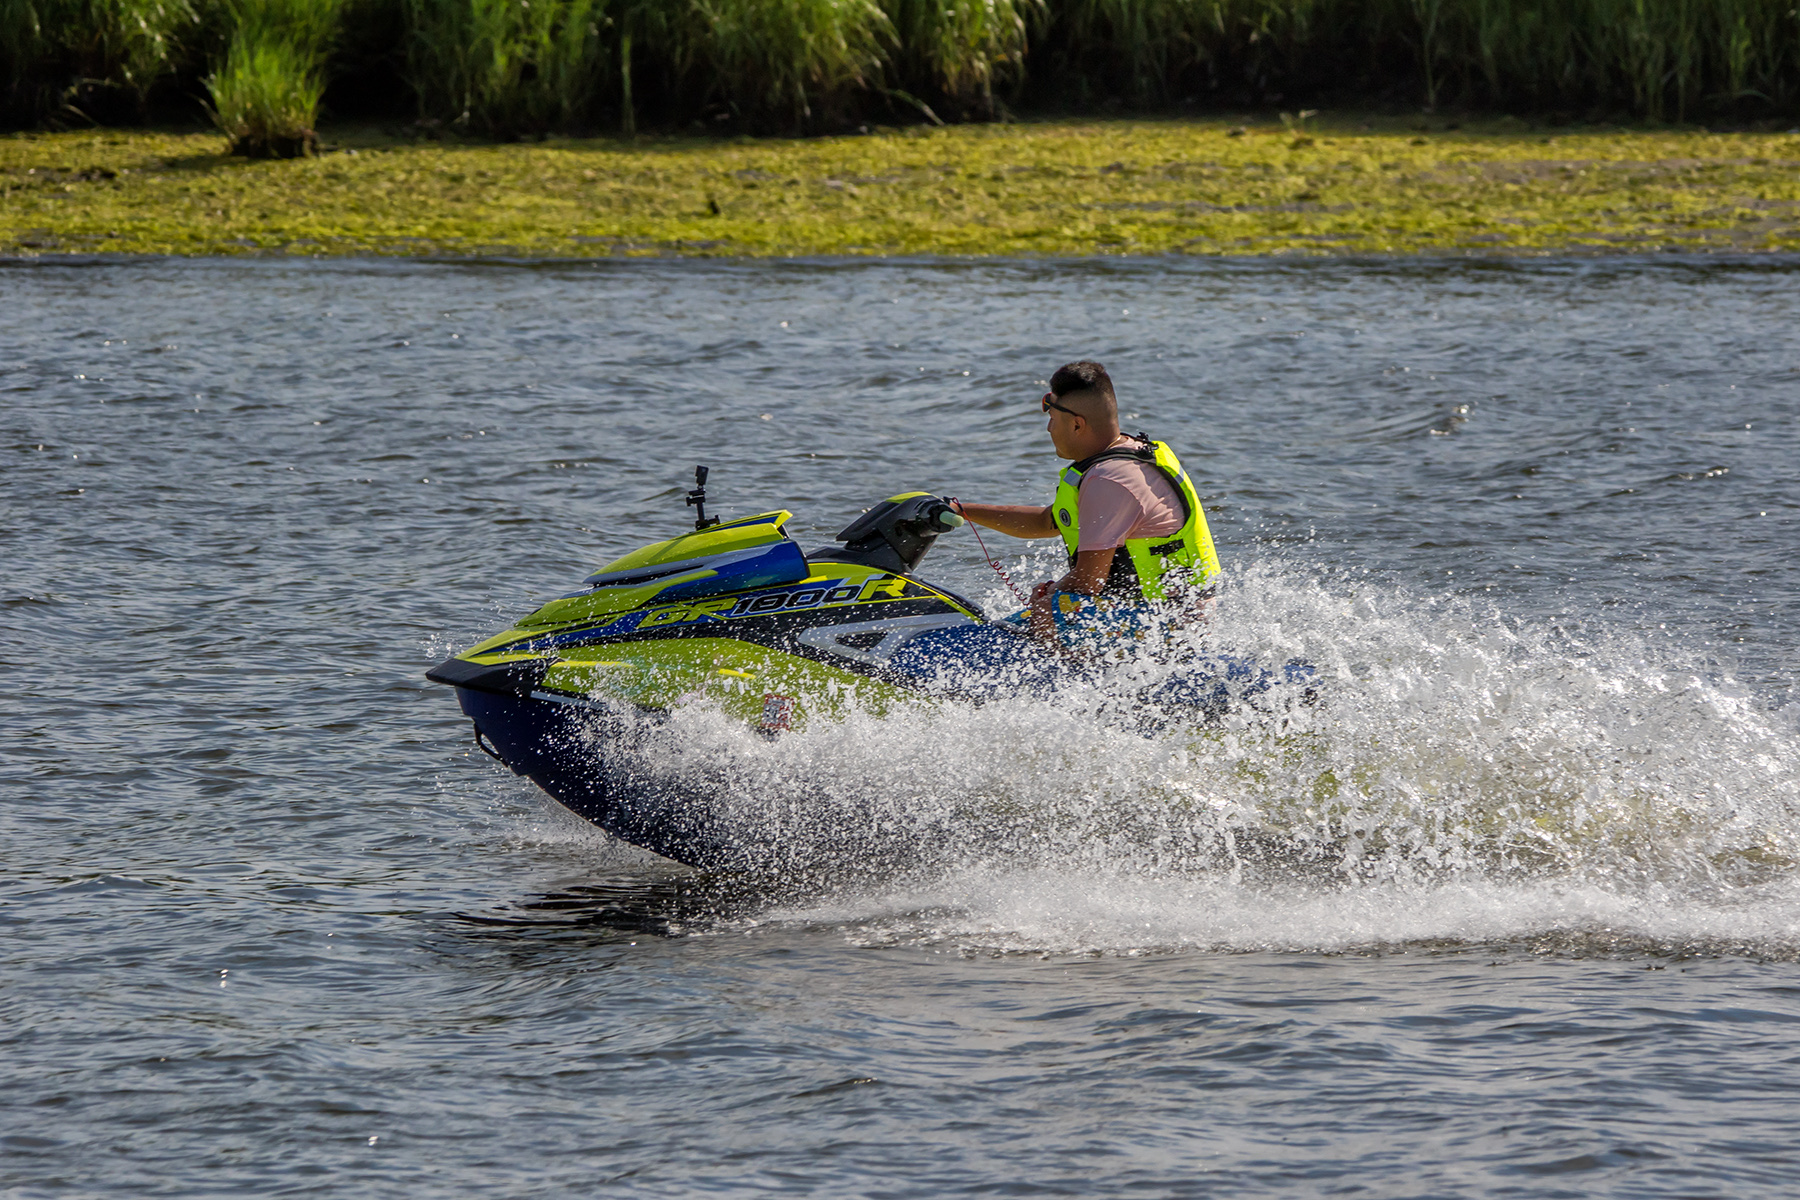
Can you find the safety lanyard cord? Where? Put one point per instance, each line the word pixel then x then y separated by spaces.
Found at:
pixel 998 569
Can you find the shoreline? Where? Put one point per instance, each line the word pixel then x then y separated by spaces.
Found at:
pixel 1339 186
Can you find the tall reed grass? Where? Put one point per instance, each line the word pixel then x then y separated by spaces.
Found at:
pixel 1154 52
pixel 958 51
pixel 508 67
pixel 651 37
pixel 1659 59
pixel 93 59
pixel 514 67
pixel 789 60
pixel 265 98
pixel 266 91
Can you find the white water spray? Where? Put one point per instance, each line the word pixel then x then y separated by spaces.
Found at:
pixel 1465 776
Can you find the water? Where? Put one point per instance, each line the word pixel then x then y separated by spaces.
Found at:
pixel 1531 922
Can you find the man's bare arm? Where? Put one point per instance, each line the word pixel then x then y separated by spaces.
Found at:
pixel 1019 520
pixel 1088 575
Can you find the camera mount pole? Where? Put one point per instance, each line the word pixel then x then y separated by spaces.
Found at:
pixel 696 499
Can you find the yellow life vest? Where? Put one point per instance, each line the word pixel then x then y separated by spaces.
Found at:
pixel 1150 566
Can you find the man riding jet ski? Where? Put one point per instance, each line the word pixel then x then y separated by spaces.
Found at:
pixel 1126 511
pixel 735 618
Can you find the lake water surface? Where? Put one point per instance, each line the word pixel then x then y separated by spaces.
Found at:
pixel 269 925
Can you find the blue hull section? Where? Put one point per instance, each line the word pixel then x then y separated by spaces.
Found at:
pixel 587 759
pixel 580 757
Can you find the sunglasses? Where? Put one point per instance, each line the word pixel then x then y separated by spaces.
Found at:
pixel 1049 403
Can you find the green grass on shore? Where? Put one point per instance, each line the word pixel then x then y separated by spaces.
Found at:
pixel 1050 188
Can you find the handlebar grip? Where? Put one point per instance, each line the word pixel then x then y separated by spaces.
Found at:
pixel 943 518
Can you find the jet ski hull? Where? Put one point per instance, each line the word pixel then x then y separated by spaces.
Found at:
pixel 575 695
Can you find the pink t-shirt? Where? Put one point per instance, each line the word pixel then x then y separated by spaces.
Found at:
pixel 1122 499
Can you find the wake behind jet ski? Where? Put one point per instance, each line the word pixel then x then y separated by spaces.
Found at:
pixel 735 615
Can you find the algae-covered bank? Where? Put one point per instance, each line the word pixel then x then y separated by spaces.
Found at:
pixel 1051 188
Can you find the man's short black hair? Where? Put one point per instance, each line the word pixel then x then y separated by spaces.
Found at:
pixel 1083 376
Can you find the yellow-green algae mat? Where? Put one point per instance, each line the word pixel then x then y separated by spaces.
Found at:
pixel 1037 188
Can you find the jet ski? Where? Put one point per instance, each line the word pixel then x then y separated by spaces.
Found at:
pixel 736 616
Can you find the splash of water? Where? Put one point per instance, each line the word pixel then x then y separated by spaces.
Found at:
pixel 1464 773
pixel 998 911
